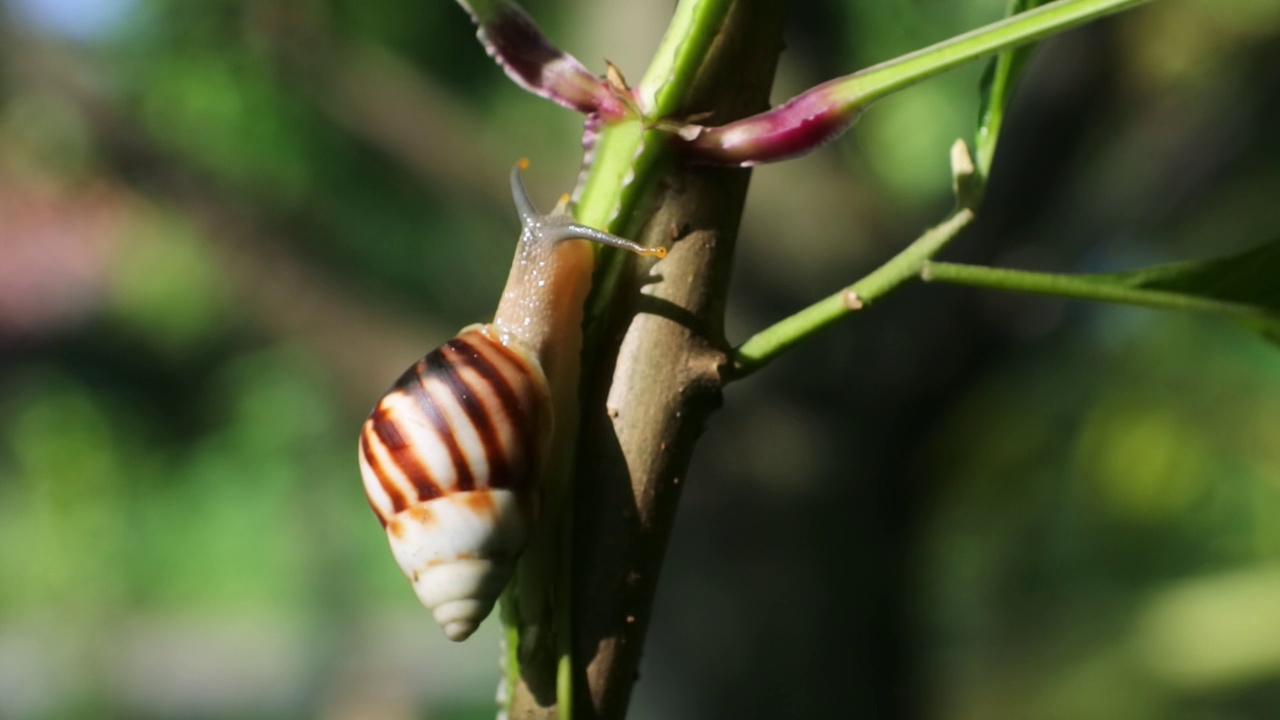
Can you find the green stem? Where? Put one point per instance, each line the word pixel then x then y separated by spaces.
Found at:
pixel 627 151
pixel 1082 287
pixel 1004 76
pixel 771 342
pixel 873 83
pixel 693 26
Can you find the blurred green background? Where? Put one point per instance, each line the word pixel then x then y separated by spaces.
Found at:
pixel 226 226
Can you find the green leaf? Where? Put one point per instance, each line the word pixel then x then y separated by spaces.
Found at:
pixel 1250 279
pixel 996 88
pixel 1244 287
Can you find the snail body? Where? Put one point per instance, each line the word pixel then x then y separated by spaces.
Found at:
pixel 455 455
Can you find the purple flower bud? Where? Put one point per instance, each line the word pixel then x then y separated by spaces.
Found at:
pixel 512 38
pixel 803 123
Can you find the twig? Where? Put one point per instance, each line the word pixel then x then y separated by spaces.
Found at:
pixel 768 344
pixel 1082 287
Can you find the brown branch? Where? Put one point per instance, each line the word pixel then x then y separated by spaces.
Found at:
pixel 649 409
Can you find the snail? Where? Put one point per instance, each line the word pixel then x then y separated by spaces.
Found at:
pixel 454 456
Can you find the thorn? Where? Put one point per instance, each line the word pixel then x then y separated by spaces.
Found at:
pixel 689 132
pixel 614 77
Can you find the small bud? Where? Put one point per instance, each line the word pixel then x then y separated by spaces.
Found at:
pixel 803 123
pixel 965 181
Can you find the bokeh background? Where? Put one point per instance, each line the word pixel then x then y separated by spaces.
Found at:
pixel 225 226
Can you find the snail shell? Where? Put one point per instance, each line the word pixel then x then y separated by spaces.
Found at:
pixel 449 458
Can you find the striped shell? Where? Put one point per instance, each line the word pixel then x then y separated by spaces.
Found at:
pixel 450 456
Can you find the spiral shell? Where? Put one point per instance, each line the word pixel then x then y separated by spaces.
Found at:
pixel 449 458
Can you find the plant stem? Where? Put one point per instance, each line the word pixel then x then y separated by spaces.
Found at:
pixel 693 27
pixel 661 385
pixel 771 342
pixel 657 374
pixel 627 150
pixel 888 77
pixel 1083 287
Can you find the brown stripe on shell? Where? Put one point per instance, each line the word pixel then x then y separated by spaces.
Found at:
pixel 439 366
pixel 368 468
pixel 398 500
pixel 404 455
pixel 461 354
pixel 376 512
pixel 481 503
pixel 457 557
pixel 472 383
pixel 420 514
pixel 495 364
pixel 495 376
pixel 415 385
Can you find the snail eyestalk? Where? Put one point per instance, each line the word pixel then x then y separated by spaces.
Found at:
pixel 558 227
pixel 570 231
pixel 524 206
